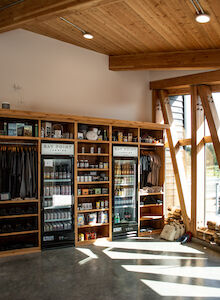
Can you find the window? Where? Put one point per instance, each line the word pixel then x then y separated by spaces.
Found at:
pixel 212 185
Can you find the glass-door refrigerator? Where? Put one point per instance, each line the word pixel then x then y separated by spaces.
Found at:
pixel 125 203
pixel 57 166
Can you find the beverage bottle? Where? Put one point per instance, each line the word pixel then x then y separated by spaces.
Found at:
pixel 60 172
pixel 64 172
pixel 56 175
pixel 68 174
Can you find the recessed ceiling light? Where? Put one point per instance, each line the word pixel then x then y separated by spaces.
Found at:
pixel 203 18
pixel 87 35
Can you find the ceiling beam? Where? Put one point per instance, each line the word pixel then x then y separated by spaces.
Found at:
pixel 179 60
pixel 14 16
pixel 211 78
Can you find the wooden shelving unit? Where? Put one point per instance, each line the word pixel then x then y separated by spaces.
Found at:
pixel 71 124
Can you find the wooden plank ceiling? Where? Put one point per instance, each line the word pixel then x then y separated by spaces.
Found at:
pixel 123 27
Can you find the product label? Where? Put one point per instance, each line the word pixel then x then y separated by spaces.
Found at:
pixel 57 149
pixel 124 151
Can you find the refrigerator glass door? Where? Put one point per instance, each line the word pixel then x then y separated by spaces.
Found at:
pixel 125 203
pixel 57 194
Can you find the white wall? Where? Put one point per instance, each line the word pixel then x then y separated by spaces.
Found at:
pixel 158 75
pixel 42 74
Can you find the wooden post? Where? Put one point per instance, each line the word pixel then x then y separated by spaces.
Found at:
pixel 168 119
pixel 211 116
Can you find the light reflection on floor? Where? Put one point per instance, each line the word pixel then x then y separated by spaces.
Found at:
pixel 212 273
pixel 182 270
pixel 181 290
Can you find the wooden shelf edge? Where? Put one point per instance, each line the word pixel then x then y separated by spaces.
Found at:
pixel 18 233
pixel 28 138
pixel 125 143
pixel 92 154
pixel 93 195
pixel 57 139
pixel 92 210
pixel 20 251
pixel 18 216
pixel 95 225
pixel 19 201
pixel 93 182
pixel 149 205
pixel 94 169
pixel 94 142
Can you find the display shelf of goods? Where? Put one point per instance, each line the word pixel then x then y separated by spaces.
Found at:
pixel 18 128
pixel 55 130
pixel 124 135
pixel 151 137
pixel 93 133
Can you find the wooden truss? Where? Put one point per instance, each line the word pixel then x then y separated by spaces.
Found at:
pixel 200 86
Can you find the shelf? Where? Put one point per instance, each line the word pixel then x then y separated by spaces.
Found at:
pixel 94 225
pixel 57 220
pixel 124 196
pixel 18 233
pixel 125 143
pixel 28 138
pixel 18 216
pixel 20 251
pixel 57 180
pixel 92 210
pixel 124 206
pixel 93 182
pixel 147 233
pixel 93 195
pixel 149 205
pixel 152 144
pixel 152 194
pixel 124 185
pixel 94 142
pixel 19 201
pixel 93 154
pixel 57 139
pixel 130 175
pixel 57 207
pixel 95 169
pixel 146 218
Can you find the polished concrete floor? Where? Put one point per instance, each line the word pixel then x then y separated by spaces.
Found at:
pixel 134 269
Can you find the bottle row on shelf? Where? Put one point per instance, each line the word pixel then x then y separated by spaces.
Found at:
pixel 94 191
pixel 90 177
pixel 124 192
pixel 122 217
pixel 92 218
pixel 59 172
pixel 124 169
pixel 57 226
pixel 57 214
pixel 87 165
pixel 92 150
pixel 57 190
pixel 124 180
pixel 122 202
pixel 98 205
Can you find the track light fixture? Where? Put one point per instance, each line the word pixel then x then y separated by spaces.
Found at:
pixel 85 34
pixel 201 16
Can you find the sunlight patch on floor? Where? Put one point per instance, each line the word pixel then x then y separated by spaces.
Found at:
pixel 212 273
pixel 130 255
pixel 149 246
pixel 181 290
pixel 87 252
